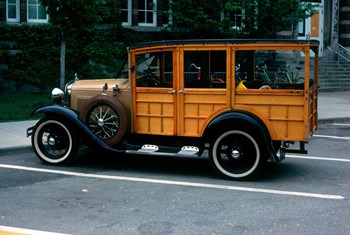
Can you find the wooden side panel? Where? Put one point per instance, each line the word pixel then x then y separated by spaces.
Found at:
pixel 155 114
pixel 282 110
pixel 313 116
pixel 198 107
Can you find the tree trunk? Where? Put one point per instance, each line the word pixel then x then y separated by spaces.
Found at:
pixel 63 61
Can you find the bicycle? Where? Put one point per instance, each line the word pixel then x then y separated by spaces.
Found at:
pixel 239 75
pixel 199 71
pixel 261 74
pixel 286 75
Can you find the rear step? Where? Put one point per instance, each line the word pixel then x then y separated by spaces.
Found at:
pixel 156 150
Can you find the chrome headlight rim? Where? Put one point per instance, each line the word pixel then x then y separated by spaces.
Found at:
pixel 57 95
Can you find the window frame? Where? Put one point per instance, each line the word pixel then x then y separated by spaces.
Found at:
pixel 128 11
pixel 37 20
pixel 154 14
pixel 13 20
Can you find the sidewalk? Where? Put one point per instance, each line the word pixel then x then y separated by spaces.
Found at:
pixel 332 107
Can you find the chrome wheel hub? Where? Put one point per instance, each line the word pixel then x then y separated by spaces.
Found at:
pixel 52 141
pixel 235 154
pixel 100 122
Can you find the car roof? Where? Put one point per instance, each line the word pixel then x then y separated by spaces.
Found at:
pixel 223 41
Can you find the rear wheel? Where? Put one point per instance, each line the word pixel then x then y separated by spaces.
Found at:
pixel 235 154
pixel 54 141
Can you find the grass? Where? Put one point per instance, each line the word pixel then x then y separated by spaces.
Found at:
pixel 20 106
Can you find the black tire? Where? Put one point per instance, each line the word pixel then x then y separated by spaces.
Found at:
pixel 105 117
pixel 235 154
pixel 54 141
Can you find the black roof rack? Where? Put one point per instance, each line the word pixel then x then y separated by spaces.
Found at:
pixel 223 41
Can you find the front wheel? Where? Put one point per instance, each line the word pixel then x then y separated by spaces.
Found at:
pixel 54 142
pixel 235 154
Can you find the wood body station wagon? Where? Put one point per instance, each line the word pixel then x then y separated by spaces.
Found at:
pixel 241 101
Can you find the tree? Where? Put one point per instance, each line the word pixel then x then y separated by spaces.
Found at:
pixel 273 16
pixel 71 17
pixel 238 18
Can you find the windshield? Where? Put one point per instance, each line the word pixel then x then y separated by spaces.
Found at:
pixel 124 70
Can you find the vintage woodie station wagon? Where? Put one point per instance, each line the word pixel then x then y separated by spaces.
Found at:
pixel 241 101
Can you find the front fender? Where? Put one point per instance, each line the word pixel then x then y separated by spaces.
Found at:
pixel 60 111
pixel 72 117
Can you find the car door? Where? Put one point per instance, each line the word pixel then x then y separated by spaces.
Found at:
pixel 204 83
pixel 154 92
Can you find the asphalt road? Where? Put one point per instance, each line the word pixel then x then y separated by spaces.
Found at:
pixel 305 194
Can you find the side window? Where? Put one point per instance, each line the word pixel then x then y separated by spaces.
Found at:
pixel 154 69
pixel 205 69
pixel 275 69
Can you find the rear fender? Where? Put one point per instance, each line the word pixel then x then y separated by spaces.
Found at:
pixel 72 117
pixel 245 121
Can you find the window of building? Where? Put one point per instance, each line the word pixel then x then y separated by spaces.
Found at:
pixel 301 28
pixel 12 13
pixel 126 11
pixel 36 13
pixel 147 10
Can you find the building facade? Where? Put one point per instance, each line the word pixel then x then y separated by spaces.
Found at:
pixel 344 23
pixel 331 24
pixel 22 11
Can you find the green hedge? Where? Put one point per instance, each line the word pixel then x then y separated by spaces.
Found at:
pixel 32 54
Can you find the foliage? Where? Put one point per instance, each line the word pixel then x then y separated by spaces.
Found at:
pixel 278 15
pixel 20 106
pixel 33 54
pixel 73 15
pixel 222 18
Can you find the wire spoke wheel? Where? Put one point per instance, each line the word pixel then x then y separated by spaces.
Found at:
pixel 103 121
pixel 106 117
pixel 235 154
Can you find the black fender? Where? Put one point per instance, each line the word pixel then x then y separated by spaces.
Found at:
pixel 72 117
pixel 241 120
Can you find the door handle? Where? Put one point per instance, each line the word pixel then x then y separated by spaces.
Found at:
pixel 172 91
pixel 182 91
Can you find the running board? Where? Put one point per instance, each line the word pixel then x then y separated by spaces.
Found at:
pixel 150 149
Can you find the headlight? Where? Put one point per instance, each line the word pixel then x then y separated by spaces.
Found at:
pixel 69 89
pixel 57 95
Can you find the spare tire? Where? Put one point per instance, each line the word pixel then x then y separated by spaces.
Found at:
pixel 105 117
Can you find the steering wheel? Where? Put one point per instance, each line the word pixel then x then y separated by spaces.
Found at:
pixel 148 79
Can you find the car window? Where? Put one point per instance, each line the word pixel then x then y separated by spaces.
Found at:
pixel 124 70
pixel 272 69
pixel 205 69
pixel 154 69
